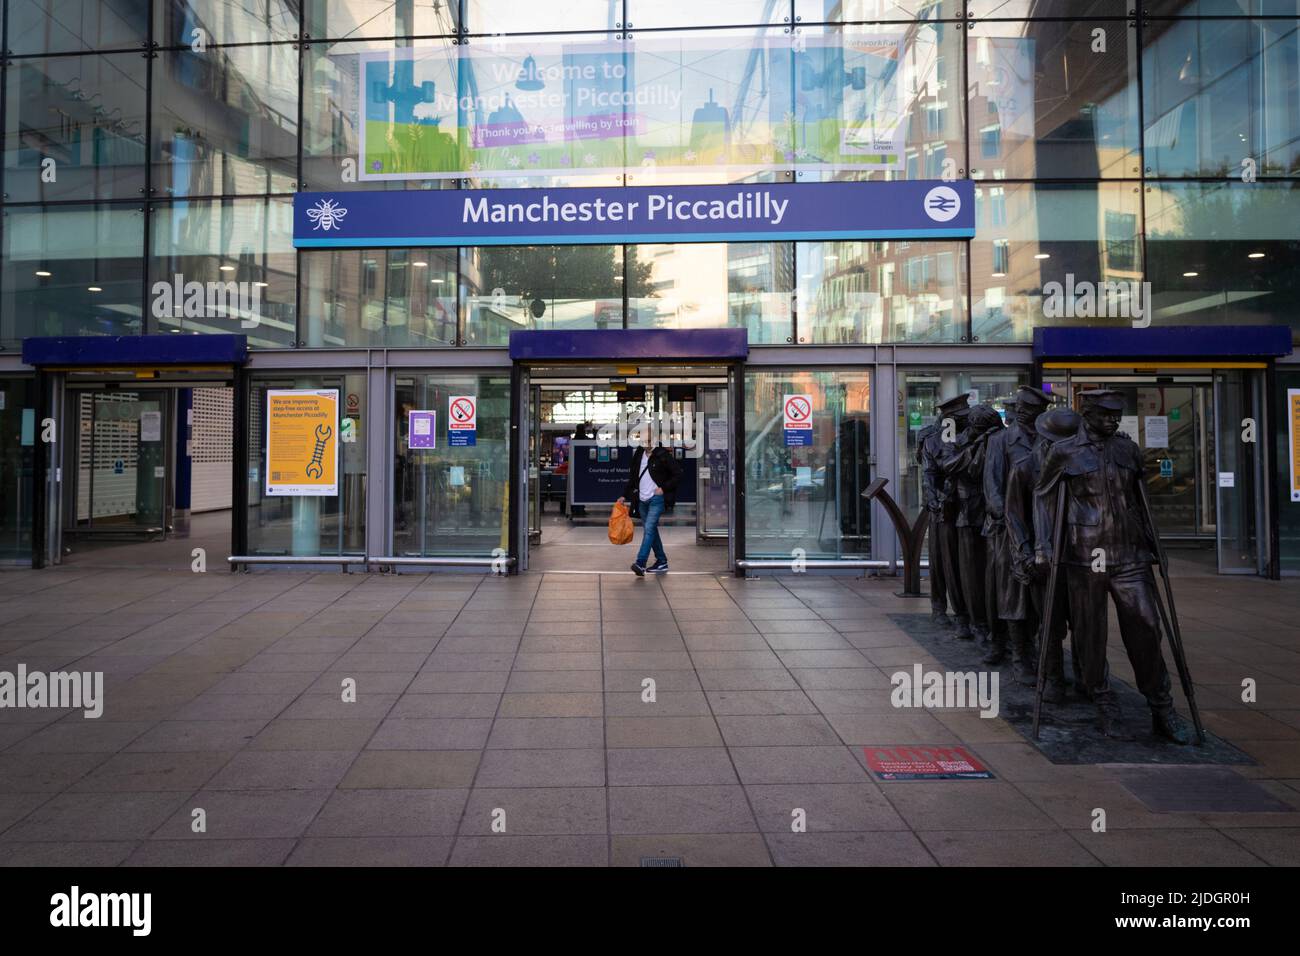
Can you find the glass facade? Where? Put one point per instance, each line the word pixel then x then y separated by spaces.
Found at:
pixel 1163 149
pixel 148 144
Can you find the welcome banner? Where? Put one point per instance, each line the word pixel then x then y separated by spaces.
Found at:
pixel 491 108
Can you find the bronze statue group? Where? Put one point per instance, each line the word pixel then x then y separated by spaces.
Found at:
pixel 1048 517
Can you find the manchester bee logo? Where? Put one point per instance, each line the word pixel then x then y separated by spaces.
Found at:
pixel 326 214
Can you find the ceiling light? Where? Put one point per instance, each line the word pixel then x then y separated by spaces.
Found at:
pixel 419 265
pixel 226 268
pixel 435 281
pixel 43 274
pixel 261 285
pixel 1255 255
pixel 1190 275
pixel 999 275
pixel 1042 255
pixel 93 288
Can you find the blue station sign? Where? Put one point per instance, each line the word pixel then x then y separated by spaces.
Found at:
pixel 742 212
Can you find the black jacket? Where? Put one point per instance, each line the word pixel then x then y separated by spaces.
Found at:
pixel 664 471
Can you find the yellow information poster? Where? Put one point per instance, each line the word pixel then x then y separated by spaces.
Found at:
pixel 302 442
pixel 1293 433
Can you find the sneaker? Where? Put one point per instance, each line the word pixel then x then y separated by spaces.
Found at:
pixel 638 569
pixel 660 568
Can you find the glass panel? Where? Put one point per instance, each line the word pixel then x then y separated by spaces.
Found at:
pixel 921 391
pixel 1224 253
pixel 713 511
pixel 879 101
pixel 75 128
pixel 66 26
pixel 863 292
pixel 817 11
pixel 1053 100
pixel 539 287
pixel 1237 483
pixel 528 16
pixel 317 524
pixel 450 492
pixel 225 122
pixel 1218 93
pixel 121 477
pixel 332 115
pixel 1286 438
pixel 1029 9
pixel 224 21
pixel 384 298
pixel 337 19
pixel 18 430
pixel 71 270
pixel 709 106
pixel 225 266
pixel 1204 8
pixel 712 285
pixel 1037 247
pixel 808 497
pixel 644 14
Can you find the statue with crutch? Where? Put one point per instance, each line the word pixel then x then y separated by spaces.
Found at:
pixel 1093 522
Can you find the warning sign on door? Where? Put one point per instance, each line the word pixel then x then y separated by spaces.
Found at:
pixel 797 412
pixel 462 420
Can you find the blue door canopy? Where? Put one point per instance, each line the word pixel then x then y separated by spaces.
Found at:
pixel 742 212
pixel 139 350
pixel 1162 342
pixel 640 344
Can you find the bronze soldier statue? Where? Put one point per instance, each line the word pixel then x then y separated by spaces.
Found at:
pixel 1051 426
pixel 963 464
pixel 1107 549
pixel 1009 450
pixel 938 581
pixel 939 498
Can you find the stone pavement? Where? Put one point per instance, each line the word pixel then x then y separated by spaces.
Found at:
pixel 479 697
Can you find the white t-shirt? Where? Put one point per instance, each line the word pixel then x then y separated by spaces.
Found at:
pixel 647 486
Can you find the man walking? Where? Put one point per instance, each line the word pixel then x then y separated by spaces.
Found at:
pixel 653 480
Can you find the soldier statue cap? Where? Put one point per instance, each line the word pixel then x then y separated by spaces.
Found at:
pixel 1107 398
pixel 958 403
pixel 1028 395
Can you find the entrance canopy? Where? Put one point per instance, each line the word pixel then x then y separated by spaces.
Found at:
pixel 641 344
pixel 1166 343
pixel 101 351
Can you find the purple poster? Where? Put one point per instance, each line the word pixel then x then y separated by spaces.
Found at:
pixel 423 431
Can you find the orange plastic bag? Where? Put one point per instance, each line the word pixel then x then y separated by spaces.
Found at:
pixel 620 525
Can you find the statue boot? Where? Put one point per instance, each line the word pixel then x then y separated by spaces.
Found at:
pixel 1165 722
pixel 997 653
pixel 1024 667
pixel 964 632
pixel 1109 719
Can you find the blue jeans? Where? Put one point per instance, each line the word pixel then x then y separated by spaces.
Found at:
pixel 651 511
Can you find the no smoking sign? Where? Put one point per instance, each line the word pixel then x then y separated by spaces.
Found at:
pixel 797 411
pixel 462 420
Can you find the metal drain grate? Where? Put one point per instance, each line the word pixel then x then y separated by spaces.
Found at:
pixel 1198 789
pixel 661 861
